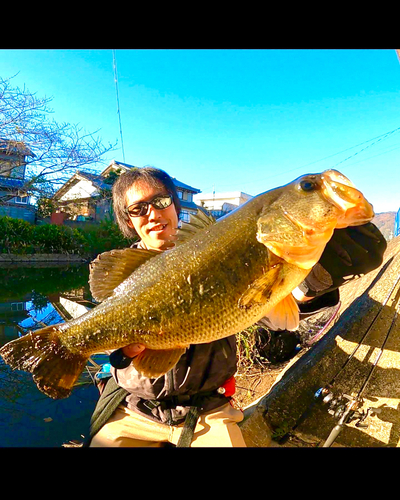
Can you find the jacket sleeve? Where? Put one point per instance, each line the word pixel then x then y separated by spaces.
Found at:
pixel 119 360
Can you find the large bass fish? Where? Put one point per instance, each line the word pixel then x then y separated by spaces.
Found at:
pixel 214 283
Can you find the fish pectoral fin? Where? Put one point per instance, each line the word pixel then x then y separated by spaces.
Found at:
pixel 261 289
pixel 153 363
pixel 110 269
pixel 284 316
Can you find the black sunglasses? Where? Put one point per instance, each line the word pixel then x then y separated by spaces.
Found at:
pixel 140 209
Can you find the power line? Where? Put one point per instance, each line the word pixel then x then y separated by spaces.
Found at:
pixel 118 111
pixel 376 139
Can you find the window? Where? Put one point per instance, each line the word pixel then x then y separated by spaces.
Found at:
pixel 184 216
pixel 18 306
pixel 21 199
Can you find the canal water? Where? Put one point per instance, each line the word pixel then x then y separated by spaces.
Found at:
pixel 31 297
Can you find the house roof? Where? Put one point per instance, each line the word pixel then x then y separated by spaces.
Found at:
pixel 126 166
pixel 181 185
pixel 115 165
pixel 10 183
pixel 18 147
pixel 188 205
pixel 98 181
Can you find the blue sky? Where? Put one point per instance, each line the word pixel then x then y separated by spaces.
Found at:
pixel 247 120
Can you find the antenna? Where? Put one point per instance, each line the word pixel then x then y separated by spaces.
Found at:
pixel 116 90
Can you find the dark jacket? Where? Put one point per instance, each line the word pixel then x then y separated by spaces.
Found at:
pixel 193 381
pixel 201 371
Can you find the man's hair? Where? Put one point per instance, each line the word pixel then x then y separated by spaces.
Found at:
pixel 151 176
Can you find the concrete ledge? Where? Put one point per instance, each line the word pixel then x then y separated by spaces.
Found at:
pixel 45 257
pixel 294 389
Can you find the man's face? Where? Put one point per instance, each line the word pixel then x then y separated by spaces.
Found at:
pixel 157 227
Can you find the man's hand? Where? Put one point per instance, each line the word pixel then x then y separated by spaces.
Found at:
pixel 133 350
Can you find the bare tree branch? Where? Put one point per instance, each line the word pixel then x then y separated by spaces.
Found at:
pixel 54 151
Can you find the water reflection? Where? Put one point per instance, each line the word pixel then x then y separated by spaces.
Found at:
pixel 30 298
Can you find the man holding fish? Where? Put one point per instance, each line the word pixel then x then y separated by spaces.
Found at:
pixel 146 203
pixel 169 309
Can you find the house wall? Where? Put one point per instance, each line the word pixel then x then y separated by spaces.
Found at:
pixel 12 166
pixel 25 212
pixel 75 207
pixel 12 174
pixel 82 189
pixel 102 209
pixel 216 201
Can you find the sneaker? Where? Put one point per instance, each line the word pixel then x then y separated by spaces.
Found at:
pixel 313 327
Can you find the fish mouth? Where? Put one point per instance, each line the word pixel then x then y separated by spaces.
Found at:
pixel 343 205
pixel 341 192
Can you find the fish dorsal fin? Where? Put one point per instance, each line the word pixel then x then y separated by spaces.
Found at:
pixel 110 269
pixel 197 223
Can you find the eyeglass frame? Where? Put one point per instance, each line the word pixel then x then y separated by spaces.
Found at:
pixel 147 203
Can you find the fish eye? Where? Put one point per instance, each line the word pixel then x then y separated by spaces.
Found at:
pixel 308 185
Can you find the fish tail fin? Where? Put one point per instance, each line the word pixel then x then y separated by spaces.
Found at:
pixel 54 368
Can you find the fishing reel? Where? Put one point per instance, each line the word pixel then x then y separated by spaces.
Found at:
pixel 337 404
pixel 341 404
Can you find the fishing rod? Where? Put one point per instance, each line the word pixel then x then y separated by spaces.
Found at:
pixel 118 107
pixel 351 409
pixel 338 406
pixel 350 357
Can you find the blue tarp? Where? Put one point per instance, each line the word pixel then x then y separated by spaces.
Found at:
pixel 396 231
